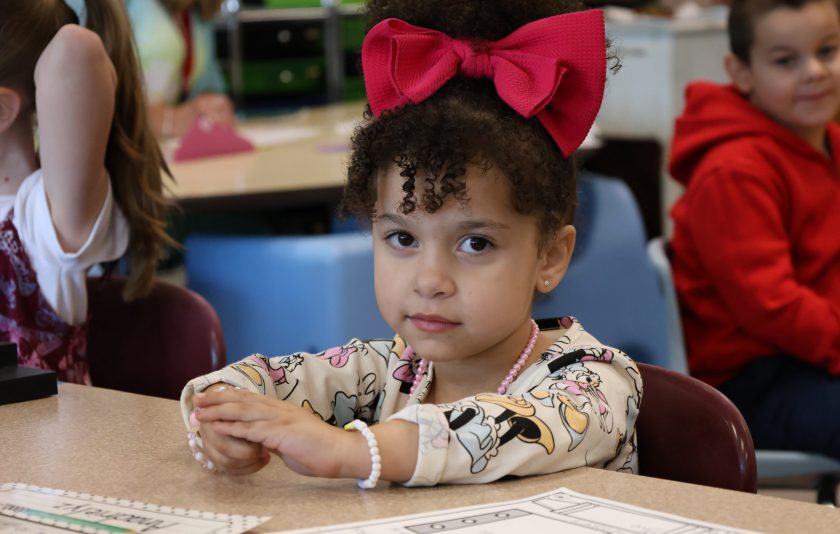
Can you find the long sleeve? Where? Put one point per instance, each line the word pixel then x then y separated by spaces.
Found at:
pixel 576 409
pixel 340 384
pixel 742 226
pixel 576 406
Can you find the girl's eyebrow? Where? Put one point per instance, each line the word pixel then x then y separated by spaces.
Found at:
pixel 392 218
pixel 464 226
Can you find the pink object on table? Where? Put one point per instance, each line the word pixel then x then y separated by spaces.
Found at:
pixel 205 138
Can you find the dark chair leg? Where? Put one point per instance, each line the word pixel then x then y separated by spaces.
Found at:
pixel 827 489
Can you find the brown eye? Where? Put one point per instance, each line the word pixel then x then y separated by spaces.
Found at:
pixel 475 244
pixel 405 240
pixel 401 240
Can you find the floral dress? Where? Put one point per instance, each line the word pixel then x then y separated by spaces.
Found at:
pixel 43 339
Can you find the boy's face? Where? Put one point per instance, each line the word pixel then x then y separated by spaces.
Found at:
pixel 794 73
pixel 457 284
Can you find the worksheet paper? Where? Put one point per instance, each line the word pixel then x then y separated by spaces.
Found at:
pixel 29 509
pixel 561 510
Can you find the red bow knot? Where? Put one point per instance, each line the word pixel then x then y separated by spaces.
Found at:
pixel 552 68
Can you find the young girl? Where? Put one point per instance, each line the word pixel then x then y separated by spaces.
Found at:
pixel 87 190
pixel 463 168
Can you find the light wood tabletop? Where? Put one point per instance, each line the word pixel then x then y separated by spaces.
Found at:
pixel 130 446
pixel 300 158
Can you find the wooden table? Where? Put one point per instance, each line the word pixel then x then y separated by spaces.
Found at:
pixel 133 447
pixel 306 164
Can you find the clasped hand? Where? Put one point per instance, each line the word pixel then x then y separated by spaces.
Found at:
pixel 240 429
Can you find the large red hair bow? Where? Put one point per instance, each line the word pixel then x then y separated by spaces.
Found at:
pixel 553 68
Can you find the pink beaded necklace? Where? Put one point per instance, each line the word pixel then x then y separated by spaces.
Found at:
pixel 511 375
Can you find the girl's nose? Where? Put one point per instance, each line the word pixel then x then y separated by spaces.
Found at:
pixel 433 277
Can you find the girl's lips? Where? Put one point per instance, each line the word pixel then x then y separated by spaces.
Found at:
pixel 432 323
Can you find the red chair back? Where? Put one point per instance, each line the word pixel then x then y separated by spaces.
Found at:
pixel 690 432
pixel 152 345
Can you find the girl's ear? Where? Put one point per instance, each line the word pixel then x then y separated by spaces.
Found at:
pixel 555 259
pixel 10 105
pixel 739 72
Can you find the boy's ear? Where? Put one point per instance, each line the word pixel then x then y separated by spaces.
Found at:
pixel 739 73
pixel 555 259
pixel 10 104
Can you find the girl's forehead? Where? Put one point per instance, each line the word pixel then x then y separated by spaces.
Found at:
pixel 485 189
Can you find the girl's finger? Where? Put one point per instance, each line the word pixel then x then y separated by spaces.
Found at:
pixel 248 430
pixel 240 411
pixel 217 396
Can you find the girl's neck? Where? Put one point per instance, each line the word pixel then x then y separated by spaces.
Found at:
pixel 17 157
pixel 455 380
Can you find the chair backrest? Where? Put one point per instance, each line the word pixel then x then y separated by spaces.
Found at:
pixel 690 432
pixel 769 463
pixel 281 294
pixel 151 345
pixel 658 254
pixel 611 285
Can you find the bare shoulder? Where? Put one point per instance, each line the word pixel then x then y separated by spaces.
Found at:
pixel 73 47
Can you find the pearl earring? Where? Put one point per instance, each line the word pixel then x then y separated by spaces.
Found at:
pixel 546 283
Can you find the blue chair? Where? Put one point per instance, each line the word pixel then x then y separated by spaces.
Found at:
pixel 771 464
pixel 283 294
pixel 611 285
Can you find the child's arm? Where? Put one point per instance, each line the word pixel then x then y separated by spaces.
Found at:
pixel 582 412
pixel 75 90
pixel 175 120
pixel 307 444
pixel 751 262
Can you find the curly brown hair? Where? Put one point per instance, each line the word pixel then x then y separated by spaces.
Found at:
pixel 464 123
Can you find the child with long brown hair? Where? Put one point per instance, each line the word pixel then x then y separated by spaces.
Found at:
pixel 81 173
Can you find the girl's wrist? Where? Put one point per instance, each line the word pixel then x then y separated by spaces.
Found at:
pixel 362 459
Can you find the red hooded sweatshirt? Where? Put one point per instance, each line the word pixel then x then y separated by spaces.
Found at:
pixel 756 246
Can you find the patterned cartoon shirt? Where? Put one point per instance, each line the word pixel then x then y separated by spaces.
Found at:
pixel 575 406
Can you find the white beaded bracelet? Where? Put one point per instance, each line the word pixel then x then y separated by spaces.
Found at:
pixel 375 459
pixel 195 446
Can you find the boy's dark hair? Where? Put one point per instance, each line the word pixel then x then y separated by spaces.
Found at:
pixel 464 123
pixel 742 17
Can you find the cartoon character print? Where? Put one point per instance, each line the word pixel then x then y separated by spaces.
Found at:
pixel 338 356
pixel 345 406
pixel 583 385
pixel 482 435
pixel 477 433
pixel 633 404
pixel 277 370
pixel 438 436
pixel 404 372
pixel 574 420
pixel 343 409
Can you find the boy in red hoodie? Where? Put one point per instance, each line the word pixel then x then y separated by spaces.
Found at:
pixel 756 246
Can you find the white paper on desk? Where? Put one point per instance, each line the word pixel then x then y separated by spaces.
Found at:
pixel 267 136
pixel 33 509
pixel 561 510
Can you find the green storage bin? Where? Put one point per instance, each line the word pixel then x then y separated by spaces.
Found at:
pixel 279 78
pixel 292 3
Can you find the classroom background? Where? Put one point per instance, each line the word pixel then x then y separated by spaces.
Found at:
pixel 263 246
pixel 268 266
